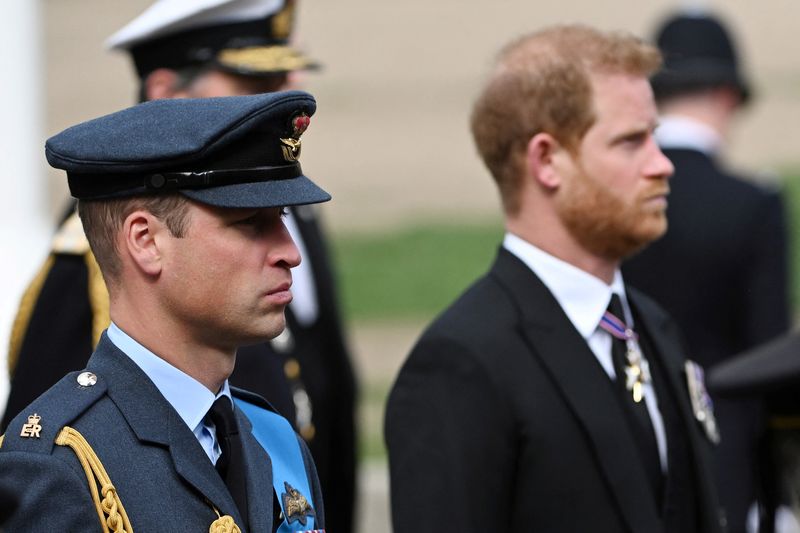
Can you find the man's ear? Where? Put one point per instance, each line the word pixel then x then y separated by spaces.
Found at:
pixel 141 238
pixel 162 83
pixel 541 157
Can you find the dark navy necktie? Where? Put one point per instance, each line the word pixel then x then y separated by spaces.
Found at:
pixel 230 464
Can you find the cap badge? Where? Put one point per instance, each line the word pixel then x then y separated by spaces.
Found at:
pixel 291 145
pixel 295 505
pixel 702 405
pixel 32 428
pixel 282 21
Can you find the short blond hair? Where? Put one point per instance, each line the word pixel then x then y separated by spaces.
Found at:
pixel 542 83
pixel 103 219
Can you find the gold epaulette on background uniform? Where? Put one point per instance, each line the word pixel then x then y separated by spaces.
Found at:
pixel 71 240
pixel 23 318
pixel 98 298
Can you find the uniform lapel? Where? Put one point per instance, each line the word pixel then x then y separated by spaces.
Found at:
pixel 585 386
pixel 154 421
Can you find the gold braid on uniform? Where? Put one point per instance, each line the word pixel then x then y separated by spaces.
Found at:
pixel 109 509
pixel 2 437
pixel 24 313
pixel 223 524
pixel 98 298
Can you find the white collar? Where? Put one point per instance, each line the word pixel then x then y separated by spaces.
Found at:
pixel 190 398
pixel 675 131
pixel 583 297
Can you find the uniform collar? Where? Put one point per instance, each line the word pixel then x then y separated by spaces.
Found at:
pixel 583 297
pixel 190 398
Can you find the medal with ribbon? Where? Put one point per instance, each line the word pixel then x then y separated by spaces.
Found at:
pixel 637 370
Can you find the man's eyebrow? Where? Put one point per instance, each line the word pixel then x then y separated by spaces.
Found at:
pixel 634 132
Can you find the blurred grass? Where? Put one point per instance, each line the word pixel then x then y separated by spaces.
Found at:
pixel 413 272
pixel 791 196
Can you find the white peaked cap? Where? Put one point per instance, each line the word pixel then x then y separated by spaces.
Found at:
pixel 165 17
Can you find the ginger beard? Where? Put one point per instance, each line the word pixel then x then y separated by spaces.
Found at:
pixel 606 223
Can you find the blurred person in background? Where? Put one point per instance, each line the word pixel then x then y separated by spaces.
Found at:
pixel 550 396
pixel 183 48
pixel 721 269
pixel 771 372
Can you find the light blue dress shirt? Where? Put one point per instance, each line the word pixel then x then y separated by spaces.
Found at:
pixel 190 398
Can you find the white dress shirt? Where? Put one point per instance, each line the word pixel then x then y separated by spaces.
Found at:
pixel 682 132
pixel 190 398
pixel 584 299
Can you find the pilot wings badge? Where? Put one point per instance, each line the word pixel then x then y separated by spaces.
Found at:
pixel 291 143
pixel 295 505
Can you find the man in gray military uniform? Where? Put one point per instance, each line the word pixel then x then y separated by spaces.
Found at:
pixel 182 202
pixel 190 49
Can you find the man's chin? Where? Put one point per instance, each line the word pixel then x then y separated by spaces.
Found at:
pixel 638 243
pixel 259 336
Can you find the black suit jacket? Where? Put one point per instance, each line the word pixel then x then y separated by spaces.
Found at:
pixel 502 419
pixel 721 272
pixel 55 337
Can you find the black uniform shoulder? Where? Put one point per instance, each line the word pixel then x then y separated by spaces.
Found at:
pixel 252 398
pixel 708 177
pixel 35 429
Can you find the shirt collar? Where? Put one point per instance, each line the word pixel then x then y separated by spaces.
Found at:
pixel 190 398
pixel 682 132
pixel 583 297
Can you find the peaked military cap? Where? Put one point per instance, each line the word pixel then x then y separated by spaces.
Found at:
pixel 698 52
pixel 248 37
pixel 767 368
pixel 235 151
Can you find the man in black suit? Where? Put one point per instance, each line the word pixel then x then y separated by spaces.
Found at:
pixel 721 269
pixel 191 49
pixel 550 396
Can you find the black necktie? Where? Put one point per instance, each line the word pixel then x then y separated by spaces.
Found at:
pixel 230 464
pixel 636 412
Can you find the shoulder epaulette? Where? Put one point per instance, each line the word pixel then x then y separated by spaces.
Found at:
pixel 70 238
pixel 35 429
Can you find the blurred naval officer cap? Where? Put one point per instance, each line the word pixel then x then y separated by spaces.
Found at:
pixel 246 37
pixel 236 151
pixel 699 52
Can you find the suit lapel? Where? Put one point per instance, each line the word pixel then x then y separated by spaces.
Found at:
pixel 154 421
pixel 585 387
pixel 656 323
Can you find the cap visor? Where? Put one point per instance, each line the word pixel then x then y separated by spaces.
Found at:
pixel 769 367
pixel 276 193
pixel 265 60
